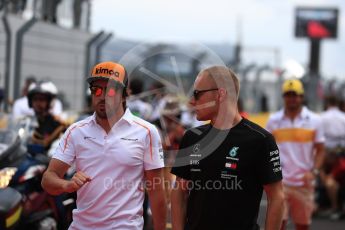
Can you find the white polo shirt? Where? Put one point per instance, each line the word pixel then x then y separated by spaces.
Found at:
pixel 295 140
pixel 116 163
pixel 333 121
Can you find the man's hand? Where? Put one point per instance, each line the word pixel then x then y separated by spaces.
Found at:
pixel 53 178
pixel 77 181
pixel 309 179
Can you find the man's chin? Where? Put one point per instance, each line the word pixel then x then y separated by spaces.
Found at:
pixel 200 118
pixel 40 112
pixel 101 114
pixel 104 114
pixel 293 107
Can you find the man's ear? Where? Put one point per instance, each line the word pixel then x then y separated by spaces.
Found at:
pixel 222 94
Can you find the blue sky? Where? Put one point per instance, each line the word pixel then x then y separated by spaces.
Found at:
pixel 265 24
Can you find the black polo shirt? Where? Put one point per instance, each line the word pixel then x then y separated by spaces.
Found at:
pixel 227 170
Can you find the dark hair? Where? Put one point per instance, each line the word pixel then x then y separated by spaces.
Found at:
pixel 42 88
pixel 29 80
pixel 124 96
pixel 157 85
pixel 136 86
pixel 332 100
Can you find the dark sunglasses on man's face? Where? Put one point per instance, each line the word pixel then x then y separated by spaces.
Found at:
pixel 98 90
pixel 197 93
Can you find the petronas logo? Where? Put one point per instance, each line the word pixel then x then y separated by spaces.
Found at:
pixel 233 151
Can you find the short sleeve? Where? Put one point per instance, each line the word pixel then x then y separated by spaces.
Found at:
pixel 65 151
pixel 181 166
pixel 153 153
pixel 16 109
pixel 268 165
pixel 319 134
pixel 269 125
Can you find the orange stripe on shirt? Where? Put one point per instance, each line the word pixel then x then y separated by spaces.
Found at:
pixel 69 134
pixel 294 135
pixel 148 130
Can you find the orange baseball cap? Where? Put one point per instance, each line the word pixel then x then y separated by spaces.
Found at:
pixel 293 85
pixel 109 71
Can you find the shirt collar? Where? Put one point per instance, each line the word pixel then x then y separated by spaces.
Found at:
pixel 303 114
pixel 127 116
pixel 333 108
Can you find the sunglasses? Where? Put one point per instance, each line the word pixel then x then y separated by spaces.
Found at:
pixel 98 90
pixel 197 93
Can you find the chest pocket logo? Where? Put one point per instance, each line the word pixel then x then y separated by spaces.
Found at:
pixel 233 151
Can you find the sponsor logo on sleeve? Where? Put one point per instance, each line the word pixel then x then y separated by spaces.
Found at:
pixel 275 161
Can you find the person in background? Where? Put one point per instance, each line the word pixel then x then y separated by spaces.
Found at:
pixel 40 96
pixel 137 106
pixel 16 6
pixel 157 101
pixel 21 106
pixel 49 10
pixel 300 138
pixel 333 121
pixel 342 105
pixel 77 12
pixel 172 132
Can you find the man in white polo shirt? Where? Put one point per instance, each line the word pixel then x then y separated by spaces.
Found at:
pixel 333 121
pixel 117 157
pixel 299 135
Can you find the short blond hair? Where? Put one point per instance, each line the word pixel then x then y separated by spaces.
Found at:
pixel 224 77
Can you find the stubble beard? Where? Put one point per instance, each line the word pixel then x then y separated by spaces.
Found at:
pixel 106 112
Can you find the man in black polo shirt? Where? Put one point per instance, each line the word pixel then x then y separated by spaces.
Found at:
pixel 222 168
